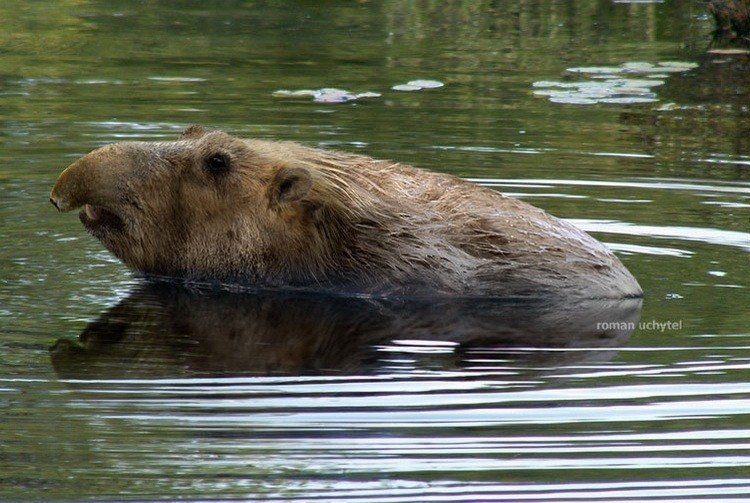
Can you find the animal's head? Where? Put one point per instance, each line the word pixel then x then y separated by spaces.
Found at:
pixel 207 205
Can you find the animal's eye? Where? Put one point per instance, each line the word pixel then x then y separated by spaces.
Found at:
pixel 217 163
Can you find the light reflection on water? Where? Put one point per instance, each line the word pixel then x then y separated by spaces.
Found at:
pixel 378 402
pixel 164 328
pixel 396 436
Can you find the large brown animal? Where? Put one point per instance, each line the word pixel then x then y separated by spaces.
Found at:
pixel 212 207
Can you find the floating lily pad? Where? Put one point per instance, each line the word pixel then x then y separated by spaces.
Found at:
pixel 405 87
pixel 552 83
pixel 639 83
pixel 667 69
pixel 324 95
pixel 687 65
pixel 333 95
pixel 426 84
pixel 418 85
pixel 640 67
pixel 635 91
pixel 593 94
pixel 629 100
pixel 612 84
pixel 551 92
pixel 545 92
pixel 286 93
pixel 573 100
pixel 637 67
pixel 729 51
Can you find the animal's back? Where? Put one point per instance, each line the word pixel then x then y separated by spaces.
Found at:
pixel 496 244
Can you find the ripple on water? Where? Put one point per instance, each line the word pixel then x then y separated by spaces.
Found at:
pixel 420 419
pixel 405 436
pixel 705 235
pixel 714 236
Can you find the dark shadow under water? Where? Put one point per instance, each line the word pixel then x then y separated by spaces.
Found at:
pixel 166 330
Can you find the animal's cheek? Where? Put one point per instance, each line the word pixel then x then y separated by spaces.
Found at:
pixel 300 214
pixel 293 218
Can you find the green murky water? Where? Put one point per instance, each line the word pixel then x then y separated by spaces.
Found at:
pixel 166 394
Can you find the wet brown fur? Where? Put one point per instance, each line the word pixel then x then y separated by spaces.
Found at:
pixel 283 214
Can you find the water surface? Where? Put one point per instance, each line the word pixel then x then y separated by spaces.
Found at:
pixel 112 389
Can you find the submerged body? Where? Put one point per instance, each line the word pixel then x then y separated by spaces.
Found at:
pixel 212 207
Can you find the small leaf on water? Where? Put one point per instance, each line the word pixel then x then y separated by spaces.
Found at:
pixel 628 100
pixel 286 93
pixel 687 65
pixel 572 100
pixel 405 87
pixel 635 91
pixel 324 95
pixel 425 84
pixel 552 83
pixel 639 83
pixel 638 66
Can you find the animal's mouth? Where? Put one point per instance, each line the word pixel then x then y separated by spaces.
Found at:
pixel 99 220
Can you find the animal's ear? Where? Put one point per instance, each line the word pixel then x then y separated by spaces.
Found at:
pixel 193 132
pixel 290 184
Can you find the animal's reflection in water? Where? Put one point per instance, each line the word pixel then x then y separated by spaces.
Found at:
pixel 163 330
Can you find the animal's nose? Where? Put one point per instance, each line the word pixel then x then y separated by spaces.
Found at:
pixel 54 203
